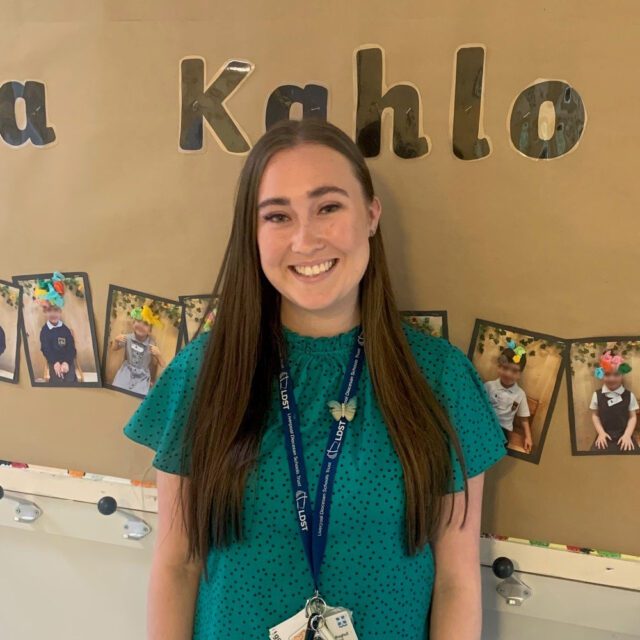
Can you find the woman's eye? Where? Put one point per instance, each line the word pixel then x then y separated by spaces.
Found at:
pixel 269 217
pixel 328 206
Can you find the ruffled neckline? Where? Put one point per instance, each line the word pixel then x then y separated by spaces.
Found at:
pixel 299 343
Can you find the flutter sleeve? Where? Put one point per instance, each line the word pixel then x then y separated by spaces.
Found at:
pixel 160 420
pixel 464 397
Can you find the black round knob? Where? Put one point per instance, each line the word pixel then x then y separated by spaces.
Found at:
pixel 502 567
pixel 1 492
pixel 107 505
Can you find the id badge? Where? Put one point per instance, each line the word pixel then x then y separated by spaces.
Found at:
pixel 337 625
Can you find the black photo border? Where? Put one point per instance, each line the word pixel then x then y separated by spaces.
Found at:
pixel 107 325
pixel 572 415
pixel 92 327
pixel 438 313
pixel 18 329
pixel 184 338
pixel 528 457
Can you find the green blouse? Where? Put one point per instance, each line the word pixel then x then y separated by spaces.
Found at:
pixel 265 579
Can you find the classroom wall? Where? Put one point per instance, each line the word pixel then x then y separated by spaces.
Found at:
pixel 542 244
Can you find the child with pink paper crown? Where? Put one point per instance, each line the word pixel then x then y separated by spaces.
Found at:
pixel 613 408
pixel 507 397
pixel 56 340
pixel 140 347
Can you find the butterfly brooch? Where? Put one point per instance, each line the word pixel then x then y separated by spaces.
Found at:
pixel 343 409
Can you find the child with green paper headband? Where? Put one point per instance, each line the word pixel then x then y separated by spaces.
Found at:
pixel 141 350
pixel 613 408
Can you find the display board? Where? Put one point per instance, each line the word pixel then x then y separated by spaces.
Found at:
pixel 501 142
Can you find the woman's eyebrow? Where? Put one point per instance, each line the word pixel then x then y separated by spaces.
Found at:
pixel 329 188
pixel 314 193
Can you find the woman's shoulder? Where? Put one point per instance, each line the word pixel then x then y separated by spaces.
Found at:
pixel 160 419
pixel 432 353
pixel 190 356
pixel 182 370
pixel 459 388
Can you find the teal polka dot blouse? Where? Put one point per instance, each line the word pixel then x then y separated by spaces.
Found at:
pixel 265 579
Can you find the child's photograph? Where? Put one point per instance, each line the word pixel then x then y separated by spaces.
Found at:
pixel 194 309
pixel 10 312
pixel 59 329
pixel 522 372
pixel 603 378
pixel 432 322
pixel 142 334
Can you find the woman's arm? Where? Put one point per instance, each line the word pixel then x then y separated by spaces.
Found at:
pixel 173 583
pixel 456 608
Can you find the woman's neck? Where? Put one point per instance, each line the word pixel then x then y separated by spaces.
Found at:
pixel 316 324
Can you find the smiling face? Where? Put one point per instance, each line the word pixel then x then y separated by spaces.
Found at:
pixel 612 380
pixel 509 373
pixel 53 313
pixel 313 230
pixel 141 329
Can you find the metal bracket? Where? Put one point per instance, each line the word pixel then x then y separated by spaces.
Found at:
pixel 26 511
pixel 135 528
pixel 512 589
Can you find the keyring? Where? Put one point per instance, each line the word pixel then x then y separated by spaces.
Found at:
pixel 315 599
pixel 316 621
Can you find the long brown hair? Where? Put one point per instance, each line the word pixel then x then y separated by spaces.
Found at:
pixel 240 364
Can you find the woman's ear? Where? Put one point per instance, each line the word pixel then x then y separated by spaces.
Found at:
pixel 375 211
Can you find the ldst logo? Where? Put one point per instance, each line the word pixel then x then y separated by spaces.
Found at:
pixel 332 451
pixel 283 390
pixel 301 501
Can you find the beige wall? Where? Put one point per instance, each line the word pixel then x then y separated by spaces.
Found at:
pixel 523 242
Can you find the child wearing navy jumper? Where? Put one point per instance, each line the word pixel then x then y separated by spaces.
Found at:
pixel 56 340
pixel 613 408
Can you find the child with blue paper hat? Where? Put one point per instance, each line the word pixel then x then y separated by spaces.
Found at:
pixel 56 340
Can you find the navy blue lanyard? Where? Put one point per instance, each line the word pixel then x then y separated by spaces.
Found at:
pixel 314 527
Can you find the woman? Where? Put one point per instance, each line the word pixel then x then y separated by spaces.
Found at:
pixel 412 446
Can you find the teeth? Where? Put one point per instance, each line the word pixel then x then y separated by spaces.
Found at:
pixel 315 269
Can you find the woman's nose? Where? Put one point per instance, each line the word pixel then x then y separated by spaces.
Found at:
pixel 305 238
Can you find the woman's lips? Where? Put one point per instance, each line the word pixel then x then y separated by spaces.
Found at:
pixel 315 278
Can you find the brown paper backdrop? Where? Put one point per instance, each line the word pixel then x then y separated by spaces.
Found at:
pixel 535 244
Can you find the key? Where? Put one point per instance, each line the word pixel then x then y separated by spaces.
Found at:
pixel 315 621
